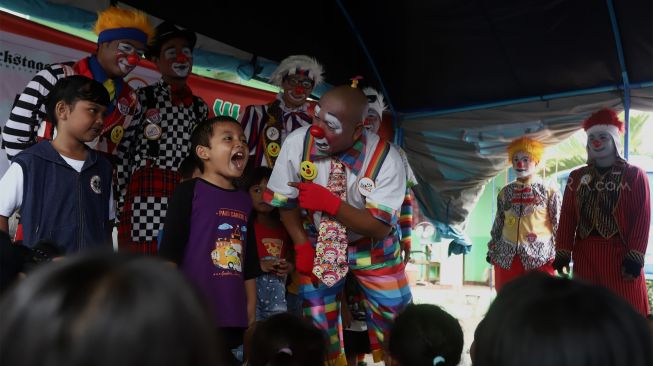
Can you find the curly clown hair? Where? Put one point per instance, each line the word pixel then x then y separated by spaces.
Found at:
pixel 375 100
pixel 532 147
pixel 115 23
pixel 298 64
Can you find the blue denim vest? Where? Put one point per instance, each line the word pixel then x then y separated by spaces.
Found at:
pixel 62 205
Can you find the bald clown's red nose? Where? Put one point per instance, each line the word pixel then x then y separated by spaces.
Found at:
pixel 317 132
pixel 299 90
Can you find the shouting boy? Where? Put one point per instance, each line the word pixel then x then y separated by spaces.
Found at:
pixel 205 230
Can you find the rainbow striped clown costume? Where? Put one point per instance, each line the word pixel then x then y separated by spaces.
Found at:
pixel 376 181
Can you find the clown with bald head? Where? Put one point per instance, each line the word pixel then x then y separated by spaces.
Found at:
pixel 523 233
pixel 337 184
pixel 605 216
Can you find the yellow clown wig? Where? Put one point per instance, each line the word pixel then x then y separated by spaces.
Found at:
pixel 115 23
pixel 532 147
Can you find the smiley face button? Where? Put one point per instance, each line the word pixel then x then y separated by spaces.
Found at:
pixel 273 149
pixel 116 134
pixel 307 170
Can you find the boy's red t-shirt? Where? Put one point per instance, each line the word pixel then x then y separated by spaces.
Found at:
pixel 271 242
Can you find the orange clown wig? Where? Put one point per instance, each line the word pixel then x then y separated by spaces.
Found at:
pixel 115 23
pixel 532 147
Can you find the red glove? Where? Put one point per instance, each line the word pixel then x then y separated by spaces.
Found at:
pixel 304 257
pixel 314 197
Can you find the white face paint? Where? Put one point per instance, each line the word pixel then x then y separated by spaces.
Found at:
pixel 523 165
pixel 372 121
pixel 600 145
pixel 180 68
pixel 124 51
pixel 333 123
pixel 321 144
pixel 296 89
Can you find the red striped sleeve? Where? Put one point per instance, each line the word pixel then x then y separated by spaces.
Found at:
pixel 634 209
pixel 568 215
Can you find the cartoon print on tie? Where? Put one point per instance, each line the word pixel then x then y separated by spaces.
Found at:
pixel 332 262
pixel 228 252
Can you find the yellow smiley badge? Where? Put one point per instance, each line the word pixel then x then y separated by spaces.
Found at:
pixel 511 220
pixel 116 134
pixel 307 170
pixel 273 149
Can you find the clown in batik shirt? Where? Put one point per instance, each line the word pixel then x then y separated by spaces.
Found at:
pixel 523 234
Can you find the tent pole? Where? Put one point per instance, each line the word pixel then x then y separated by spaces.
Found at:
pixel 415 114
pixel 624 74
pixel 395 118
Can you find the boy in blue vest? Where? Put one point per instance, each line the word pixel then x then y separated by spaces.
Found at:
pixel 62 187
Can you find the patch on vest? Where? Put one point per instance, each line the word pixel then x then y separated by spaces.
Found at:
pixel 96 184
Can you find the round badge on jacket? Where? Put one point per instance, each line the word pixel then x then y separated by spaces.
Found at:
pixel 152 131
pixel 153 115
pixel 272 133
pixel 96 184
pixel 123 106
pixel 366 186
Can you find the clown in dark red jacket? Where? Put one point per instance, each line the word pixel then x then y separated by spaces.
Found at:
pixel 605 217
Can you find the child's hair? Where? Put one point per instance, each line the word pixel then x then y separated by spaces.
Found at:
pixel 540 320
pixel 286 339
pixel 72 89
pixel 257 175
pixel 202 134
pixel 98 309
pixel 187 167
pixel 425 335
